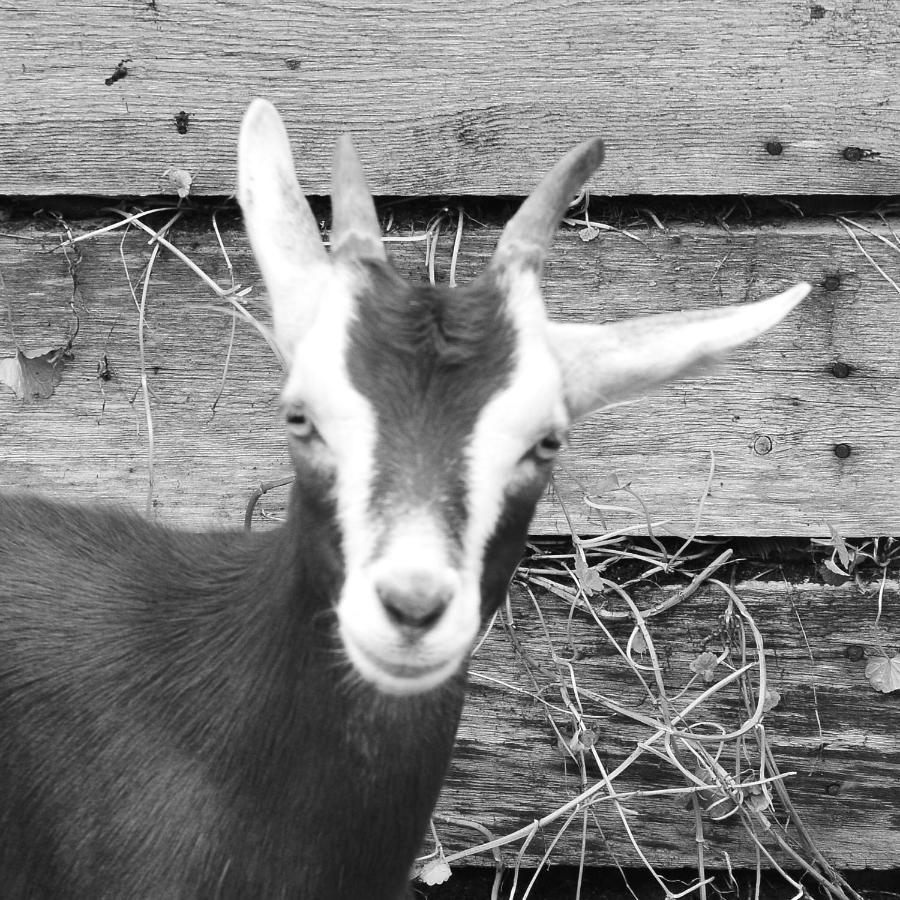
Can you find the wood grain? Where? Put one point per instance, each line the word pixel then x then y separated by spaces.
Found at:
pixel 840 737
pixel 464 98
pixel 90 438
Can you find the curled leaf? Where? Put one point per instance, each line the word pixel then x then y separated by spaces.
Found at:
pixel 180 180
pixel 758 799
pixel 773 698
pixel 34 374
pixel 435 871
pixel 840 545
pixel 605 483
pixel 588 576
pixel 704 665
pixel 638 643
pixel 831 574
pixel 718 801
pixel 832 566
pixel 884 673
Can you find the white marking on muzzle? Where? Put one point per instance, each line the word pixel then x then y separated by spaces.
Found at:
pixel 408 617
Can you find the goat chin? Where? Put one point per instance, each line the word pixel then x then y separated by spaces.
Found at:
pixel 396 676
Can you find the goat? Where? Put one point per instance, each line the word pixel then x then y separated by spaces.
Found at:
pixel 271 715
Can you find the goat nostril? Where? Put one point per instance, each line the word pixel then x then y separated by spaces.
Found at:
pixel 413 607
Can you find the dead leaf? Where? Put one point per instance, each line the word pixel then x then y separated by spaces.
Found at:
pixel 180 180
pixel 834 568
pixel 34 374
pixel 588 576
pixel 715 799
pixel 639 644
pixel 582 740
pixel 884 673
pixel 606 483
pixel 758 799
pixel 773 698
pixel 577 743
pixel 839 545
pixel 831 574
pixel 704 664
pixel 435 871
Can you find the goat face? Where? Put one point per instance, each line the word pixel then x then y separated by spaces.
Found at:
pixel 432 416
pixel 426 418
pixel 435 417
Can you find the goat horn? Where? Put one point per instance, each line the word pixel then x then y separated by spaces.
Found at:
pixel 528 234
pixel 355 232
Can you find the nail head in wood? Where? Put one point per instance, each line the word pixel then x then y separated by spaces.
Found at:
pixel 840 370
pixel 762 444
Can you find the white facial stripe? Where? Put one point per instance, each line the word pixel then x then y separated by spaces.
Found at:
pixel 415 539
pixel 513 419
pixel 319 378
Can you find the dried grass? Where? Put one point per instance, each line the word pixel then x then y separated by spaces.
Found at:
pixel 727 768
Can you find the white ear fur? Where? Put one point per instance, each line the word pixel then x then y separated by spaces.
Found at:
pixel 602 364
pixel 282 229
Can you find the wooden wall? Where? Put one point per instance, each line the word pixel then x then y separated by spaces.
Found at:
pixel 768 420
pixel 465 98
pixel 706 109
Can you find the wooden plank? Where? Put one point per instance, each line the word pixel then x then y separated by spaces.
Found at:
pixel 474 97
pixel 839 736
pixel 770 418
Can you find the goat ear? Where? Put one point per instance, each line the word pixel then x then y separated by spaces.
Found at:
pixel 602 364
pixel 355 232
pixel 282 229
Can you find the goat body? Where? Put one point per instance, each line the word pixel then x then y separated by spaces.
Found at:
pixel 244 715
pixel 177 720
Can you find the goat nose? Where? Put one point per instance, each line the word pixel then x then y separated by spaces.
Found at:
pixel 414 600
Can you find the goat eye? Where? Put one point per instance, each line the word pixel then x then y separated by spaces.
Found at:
pixel 299 424
pixel 547 447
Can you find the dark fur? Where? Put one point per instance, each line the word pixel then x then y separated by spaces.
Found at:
pixel 427 359
pixel 177 719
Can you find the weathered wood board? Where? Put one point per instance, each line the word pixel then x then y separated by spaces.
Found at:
pixel 839 736
pixel 474 97
pixel 771 417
